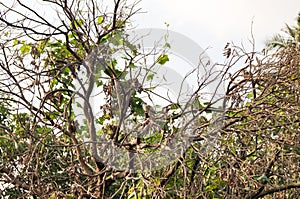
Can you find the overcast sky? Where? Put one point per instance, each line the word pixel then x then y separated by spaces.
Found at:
pixel 213 23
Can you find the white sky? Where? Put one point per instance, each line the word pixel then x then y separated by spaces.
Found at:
pixel 213 23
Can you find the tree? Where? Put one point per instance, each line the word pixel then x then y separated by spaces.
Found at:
pixel 260 150
pixel 49 70
pixel 291 37
pixel 48 73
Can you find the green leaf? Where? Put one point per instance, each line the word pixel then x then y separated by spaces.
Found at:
pixel 167 45
pixel 207 103
pixel 99 83
pixel 162 59
pixel 78 105
pixel 105 38
pixel 117 40
pixel 100 20
pixel 250 95
pixel 150 77
pixel 53 196
pixel 175 106
pixel 52 116
pixel 66 71
pixel 16 42
pixel 132 47
pixel 53 83
pixel 101 120
pixel 208 111
pixel 120 23
pixel 262 178
pixel 297 150
pixel 197 104
pixel 25 49
pixel 132 65
pixel 77 23
pixel 210 187
pixel 136 105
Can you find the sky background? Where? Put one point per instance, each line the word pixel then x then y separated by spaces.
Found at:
pixel 213 23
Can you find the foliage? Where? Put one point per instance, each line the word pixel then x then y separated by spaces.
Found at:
pixel 260 139
pixel 290 38
pixel 253 153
